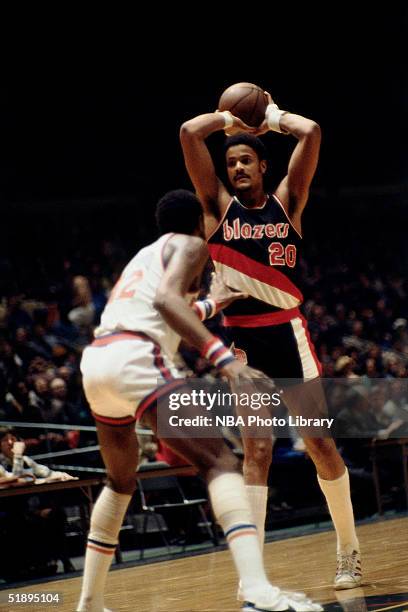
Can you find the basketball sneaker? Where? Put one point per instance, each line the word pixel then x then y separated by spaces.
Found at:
pixel 272 599
pixel 348 573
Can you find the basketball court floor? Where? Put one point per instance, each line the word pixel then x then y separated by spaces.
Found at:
pixel 207 583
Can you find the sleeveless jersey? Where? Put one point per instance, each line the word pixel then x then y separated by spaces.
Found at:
pixel 130 306
pixel 257 250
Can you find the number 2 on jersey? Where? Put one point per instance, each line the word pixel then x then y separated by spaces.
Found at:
pixel 126 287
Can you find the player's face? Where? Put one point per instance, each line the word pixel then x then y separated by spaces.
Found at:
pixel 245 171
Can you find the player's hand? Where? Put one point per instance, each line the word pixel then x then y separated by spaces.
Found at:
pixel 263 128
pixel 236 370
pixel 221 293
pixel 238 127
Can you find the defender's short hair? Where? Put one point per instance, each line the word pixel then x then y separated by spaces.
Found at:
pixel 249 140
pixel 178 211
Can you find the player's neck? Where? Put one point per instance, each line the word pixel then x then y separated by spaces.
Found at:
pixel 252 199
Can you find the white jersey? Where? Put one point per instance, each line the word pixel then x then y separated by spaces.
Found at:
pixel 130 306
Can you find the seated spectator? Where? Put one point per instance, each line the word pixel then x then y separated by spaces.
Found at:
pixel 32 529
pixel 7 441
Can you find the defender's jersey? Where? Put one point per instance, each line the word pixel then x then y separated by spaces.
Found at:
pixel 130 306
pixel 256 250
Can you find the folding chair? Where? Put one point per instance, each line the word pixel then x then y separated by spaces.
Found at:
pixel 163 494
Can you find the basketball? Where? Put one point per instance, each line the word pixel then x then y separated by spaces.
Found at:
pixel 246 101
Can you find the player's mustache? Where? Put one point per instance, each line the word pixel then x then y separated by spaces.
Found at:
pixel 240 175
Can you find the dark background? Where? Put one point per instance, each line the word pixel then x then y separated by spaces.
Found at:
pixel 90 111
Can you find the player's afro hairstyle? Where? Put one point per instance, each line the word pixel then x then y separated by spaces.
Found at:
pixel 178 211
pixel 249 140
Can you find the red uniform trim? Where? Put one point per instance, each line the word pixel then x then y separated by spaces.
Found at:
pixel 101 550
pixel 262 320
pixel 116 422
pixel 159 363
pixel 265 274
pixel 150 399
pixel 116 336
pixel 130 335
pixel 239 534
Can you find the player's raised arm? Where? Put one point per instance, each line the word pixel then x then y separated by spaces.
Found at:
pixel 210 190
pixel 293 190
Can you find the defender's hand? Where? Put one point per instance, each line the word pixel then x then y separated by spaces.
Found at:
pixel 222 295
pixel 236 370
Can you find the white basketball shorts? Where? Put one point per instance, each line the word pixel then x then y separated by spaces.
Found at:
pixel 124 373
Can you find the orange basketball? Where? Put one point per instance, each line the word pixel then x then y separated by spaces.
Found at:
pixel 246 101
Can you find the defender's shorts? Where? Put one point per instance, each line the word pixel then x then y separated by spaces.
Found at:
pixel 125 373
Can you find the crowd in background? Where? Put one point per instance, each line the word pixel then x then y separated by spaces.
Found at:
pixel 358 321
pixel 53 292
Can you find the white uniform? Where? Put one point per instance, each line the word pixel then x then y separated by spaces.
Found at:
pixel 134 347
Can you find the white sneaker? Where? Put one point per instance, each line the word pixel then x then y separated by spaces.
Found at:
pixel 272 599
pixel 348 573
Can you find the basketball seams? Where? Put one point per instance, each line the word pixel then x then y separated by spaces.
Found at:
pixel 246 101
pixel 251 89
pixel 255 107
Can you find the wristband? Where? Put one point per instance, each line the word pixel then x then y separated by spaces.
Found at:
pixel 273 115
pixel 228 119
pixel 205 308
pixel 217 353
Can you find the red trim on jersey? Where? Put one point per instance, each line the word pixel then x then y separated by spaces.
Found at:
pixel 116 422
pixel 158 360
pixel 116 336
pixel 286 215
pixel 311 345
pixel 262 320
pixel 265 274
pixel 156 394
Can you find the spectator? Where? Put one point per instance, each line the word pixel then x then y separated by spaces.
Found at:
pixel 32 529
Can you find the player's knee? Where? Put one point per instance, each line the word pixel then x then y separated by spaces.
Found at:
pixel 321 447
pixel 125 483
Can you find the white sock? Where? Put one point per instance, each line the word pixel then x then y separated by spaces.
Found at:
pixel 106 520
pixel 258 499
pixel 337 494
pixel 232 511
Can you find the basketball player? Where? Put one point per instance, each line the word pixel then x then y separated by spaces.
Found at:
pixel 254 240
pixel 129 367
